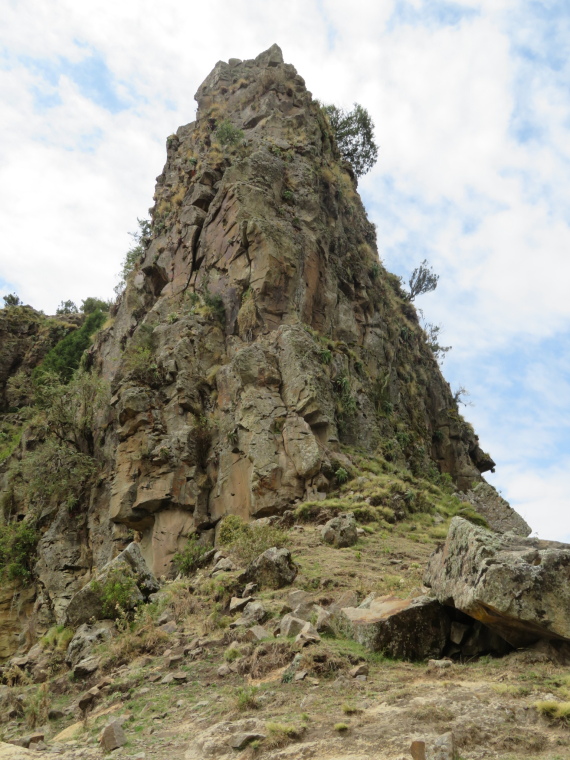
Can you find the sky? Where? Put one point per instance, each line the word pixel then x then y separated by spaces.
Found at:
pixel 471 104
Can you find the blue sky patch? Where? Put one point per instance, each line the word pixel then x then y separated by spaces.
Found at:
pixel 91 75
pixel 436 13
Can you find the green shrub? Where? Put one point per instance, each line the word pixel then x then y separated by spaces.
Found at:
pixel 142 366
pixel 11 299
pixel 116 593
pixel 246 698
pixel 246 541
pixel 18 542
pixel 57 638
pixel 91 304
pixel 9 440
pixel 215 304
pixel 66 307
pixel 64 357
pixel 227 134
pixel 341 475
pixel 189 559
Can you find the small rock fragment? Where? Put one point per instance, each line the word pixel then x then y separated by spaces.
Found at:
pixel 241 740
pixel 359 670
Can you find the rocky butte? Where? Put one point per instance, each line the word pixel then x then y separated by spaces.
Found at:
pixel 259 357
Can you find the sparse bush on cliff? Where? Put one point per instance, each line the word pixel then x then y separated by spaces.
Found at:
pixel 227 134
pixel 53 474
pixel 141 238
pixel 18 541
pixel 11 299
pixel 116 593
pixel 69 411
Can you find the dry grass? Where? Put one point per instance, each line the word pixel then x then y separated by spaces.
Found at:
pixel 556 712
pixel 142 636
pixel 280 734
pixel 37 706
pixel 267 657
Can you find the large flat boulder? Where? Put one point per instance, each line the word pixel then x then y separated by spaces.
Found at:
pixel 410 629
pixel 518 587
pixel 88 603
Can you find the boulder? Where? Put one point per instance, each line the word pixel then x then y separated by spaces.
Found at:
pixel 113 736
pixel 223 565
pixel 274 568
pixel 323 623
pixel 87 603
pixel 290 625
pixel 413 629
pixel 519 587
pixel 86 667
pixel 254 612
pixel 257 633
pixel 86 638
pixel 340 531
pixel 307 635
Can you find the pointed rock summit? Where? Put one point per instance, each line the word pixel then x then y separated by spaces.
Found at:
pixel 260 331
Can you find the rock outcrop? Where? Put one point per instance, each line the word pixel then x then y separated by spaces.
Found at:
pixel 518 587
pixel 271 331
pixel 258 333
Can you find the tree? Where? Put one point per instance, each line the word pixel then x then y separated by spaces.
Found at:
pixel 66 307
pixel 12 300
pixel 353 131
pixel 91 304
pixel 423 280
pixel 132 257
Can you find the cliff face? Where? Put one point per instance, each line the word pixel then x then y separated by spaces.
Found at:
pixel 273 333
pixel 258 340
